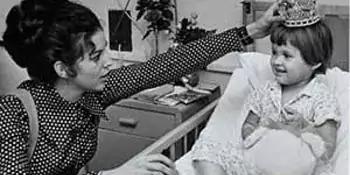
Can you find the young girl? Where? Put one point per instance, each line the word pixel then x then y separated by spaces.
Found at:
pixel 289 125
pixel 297 104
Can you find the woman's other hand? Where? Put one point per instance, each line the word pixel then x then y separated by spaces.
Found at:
pixel 263 26
pixel 156 164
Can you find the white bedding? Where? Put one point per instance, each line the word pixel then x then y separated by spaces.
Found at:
pixel 256 70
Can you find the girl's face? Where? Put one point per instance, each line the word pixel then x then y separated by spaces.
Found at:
pixel 289 66
pixel 92 70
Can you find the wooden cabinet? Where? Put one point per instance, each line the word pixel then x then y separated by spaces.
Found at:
pixel 133 125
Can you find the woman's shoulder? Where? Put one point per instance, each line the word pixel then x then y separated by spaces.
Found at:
pixel 10 105
pixel 12 113
pixel 9 101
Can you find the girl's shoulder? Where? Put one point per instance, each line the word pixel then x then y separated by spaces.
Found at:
pixel 268 86
pixel 318 88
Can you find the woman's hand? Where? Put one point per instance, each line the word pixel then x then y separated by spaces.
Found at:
pixel 156 164
pixel 263 26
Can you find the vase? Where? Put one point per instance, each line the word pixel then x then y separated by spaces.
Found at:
pixel 190 79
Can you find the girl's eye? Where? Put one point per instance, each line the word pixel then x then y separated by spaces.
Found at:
pixel 287 56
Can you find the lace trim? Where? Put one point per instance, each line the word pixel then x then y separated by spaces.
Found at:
pixel 228 155
pixel 323 168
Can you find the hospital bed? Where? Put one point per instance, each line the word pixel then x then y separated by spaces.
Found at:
pixel 255 69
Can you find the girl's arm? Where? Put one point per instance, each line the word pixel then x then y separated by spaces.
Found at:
pixel 325 124
pixel 169 66
pixel 328 132
pixel 250 124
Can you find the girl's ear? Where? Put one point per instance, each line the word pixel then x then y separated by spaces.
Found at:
pixel 316 66
pixel 61 69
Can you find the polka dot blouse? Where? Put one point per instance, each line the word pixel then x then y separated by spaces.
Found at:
pixel 68 131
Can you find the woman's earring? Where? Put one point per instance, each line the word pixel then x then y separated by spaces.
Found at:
pixel 316 66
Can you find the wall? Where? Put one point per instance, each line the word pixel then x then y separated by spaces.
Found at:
pixel 10 74
pixel 218 14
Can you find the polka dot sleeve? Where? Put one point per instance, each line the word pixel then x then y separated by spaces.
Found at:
pixel 13 136
pixel 169 66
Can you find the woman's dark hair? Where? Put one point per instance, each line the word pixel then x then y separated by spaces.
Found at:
pixel 314 42
pixel 41 32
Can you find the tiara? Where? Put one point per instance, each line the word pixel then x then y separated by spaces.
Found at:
pixel 300 13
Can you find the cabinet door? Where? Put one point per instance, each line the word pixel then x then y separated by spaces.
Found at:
pixel 115 148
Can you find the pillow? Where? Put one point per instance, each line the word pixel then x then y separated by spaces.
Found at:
pixel 280 152
pixel 257 67
pixel 338 82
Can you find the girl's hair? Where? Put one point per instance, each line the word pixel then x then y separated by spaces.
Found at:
pixel 41 32
pixel 314 42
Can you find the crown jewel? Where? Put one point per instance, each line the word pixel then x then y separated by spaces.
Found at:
pixel 299 13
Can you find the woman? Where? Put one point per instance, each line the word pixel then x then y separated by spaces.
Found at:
pixel 62 45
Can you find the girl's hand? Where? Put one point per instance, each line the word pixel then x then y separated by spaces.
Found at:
pixel 269 123
pixel 156 164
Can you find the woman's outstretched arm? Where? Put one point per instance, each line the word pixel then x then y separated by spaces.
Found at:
pixel 185 59
pixel 169 66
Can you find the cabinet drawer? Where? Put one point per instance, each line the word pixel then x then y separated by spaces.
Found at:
pixel 138 122
pixel 115 148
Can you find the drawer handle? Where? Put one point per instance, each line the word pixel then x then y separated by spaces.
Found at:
pixel 128 122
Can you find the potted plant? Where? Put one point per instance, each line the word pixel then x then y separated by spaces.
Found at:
pixel 159 15
pixel 186 32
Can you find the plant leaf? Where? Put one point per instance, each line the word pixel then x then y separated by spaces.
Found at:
pixel 139 15
pixel 168 14
pixel 147 33
pixel 164 1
